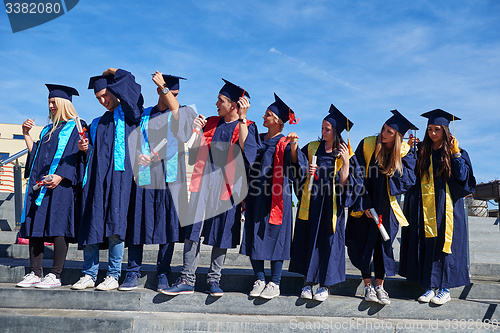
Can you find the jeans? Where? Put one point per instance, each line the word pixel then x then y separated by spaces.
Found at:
pixel 165 253
pixel 91 258
pixel 276 269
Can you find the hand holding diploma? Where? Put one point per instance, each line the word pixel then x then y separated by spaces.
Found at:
pixel 50 181
pixel 378 220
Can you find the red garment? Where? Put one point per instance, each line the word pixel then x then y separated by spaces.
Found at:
pixel 276 216
pixel 201 158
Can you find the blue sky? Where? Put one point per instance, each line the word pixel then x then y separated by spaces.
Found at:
pixel 365 57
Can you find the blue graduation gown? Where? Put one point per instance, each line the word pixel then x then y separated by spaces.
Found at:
pixel 262 240
pixel 422 259
pixel 59 213
pixel 362 233
pixel 318 253
pixel 106 194
pixel 222 229
pixel 153 216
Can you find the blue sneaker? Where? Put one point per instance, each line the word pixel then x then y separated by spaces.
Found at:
pixel 162 282
pixel 130 282
pixel 214 289
pixel 179 287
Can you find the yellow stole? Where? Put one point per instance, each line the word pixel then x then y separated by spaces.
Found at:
pixel 369 144
pixel 429 210
pixel 306 194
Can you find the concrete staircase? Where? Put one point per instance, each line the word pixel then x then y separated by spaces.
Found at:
pixel 144 309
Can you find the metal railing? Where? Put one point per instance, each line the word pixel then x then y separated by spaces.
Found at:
pixel 14 157
pixel 18 183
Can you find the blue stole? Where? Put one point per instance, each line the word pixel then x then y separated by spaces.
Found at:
pixel 119 146
pixel 171 151
pixel 63 139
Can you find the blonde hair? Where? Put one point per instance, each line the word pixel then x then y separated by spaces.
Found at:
pixel 65 111
pixel 278 121
pixel 389 163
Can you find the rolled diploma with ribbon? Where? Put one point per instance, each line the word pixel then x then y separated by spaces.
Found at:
pixel 157 148
pixel 190 142
pixel 378 221
pixel 311 177
pixel 79 128
pixel 38 185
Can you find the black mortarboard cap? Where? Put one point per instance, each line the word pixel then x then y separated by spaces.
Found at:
pixel 400 123
pixel 439 117
pixel 282 110
pixel 100 82
pixel 338 120
pixel 172 81
pixel 65 92
pixel 232 91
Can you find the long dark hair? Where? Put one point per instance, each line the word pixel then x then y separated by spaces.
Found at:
pixel 424 160
pixel 337 138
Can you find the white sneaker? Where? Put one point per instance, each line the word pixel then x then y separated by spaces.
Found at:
pixel 321 294
pixel 427 296
pixel 370 294
pixel 109 283
pixel 49 281
pixel 29 280
pixel 258 286
pixel 442 297
pixel 271 291
pixel 84 282
pixel 382 295
pixel 306 293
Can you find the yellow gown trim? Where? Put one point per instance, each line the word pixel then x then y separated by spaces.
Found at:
pixel 429 210
pixel 306 194
pixel 369 144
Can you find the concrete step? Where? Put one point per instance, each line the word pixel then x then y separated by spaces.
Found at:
pixel 8 237
pixel 7 212
pixel 18 251
pixel 48 320
pixel 235 303
pixel 237 279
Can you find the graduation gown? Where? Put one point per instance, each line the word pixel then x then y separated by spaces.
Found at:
pixel 362 233
pixel 154 215
pixel 262 240
pixel 422 259
pixel 59 212
pixel 317 252
pixel 107 192
pixel 222 225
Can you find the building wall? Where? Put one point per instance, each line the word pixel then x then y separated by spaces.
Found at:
pixel 11 142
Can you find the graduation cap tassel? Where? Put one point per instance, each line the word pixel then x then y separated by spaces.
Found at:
pixel 348 141
pixel 456 149
pixel 291 115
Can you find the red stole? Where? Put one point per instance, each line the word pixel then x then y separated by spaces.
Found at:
pixel 201 158
pixel 276 215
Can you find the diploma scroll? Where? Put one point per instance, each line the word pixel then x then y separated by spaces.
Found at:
pixel 39 184
pixel 190 142
pixel 311 177
pixel 79 128
pixel 378 221
pixel 157 148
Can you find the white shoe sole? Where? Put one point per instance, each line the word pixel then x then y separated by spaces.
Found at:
pixel 269 296
pixel 47 286
pixel 27 285
pixel 126 288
